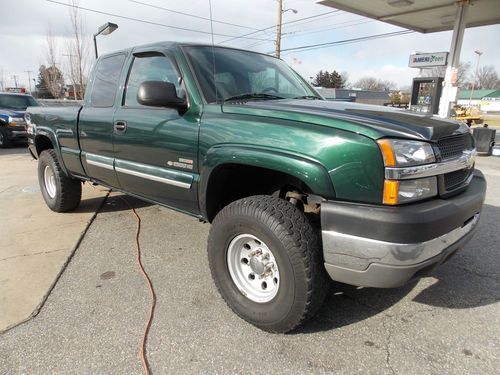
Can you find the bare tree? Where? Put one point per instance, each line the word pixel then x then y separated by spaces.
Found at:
pixel 51 75
pixel 440 71
pixel 486 77
pixel 374 84
pixel 345 77
pixel 77 49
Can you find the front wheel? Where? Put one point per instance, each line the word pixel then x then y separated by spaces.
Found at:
pixel 60 192
pixel 4 141
pixel 265 259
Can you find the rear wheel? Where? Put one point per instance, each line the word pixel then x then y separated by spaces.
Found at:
pixel 266 262
pixel 60 192
pixel 4 141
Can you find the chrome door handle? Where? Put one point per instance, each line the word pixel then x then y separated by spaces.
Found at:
pixel 120 126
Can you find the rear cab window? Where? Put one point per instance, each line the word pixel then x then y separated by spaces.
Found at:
pixel 106 81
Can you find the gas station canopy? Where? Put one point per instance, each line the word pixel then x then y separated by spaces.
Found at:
pixel 425 16
pixel 428 16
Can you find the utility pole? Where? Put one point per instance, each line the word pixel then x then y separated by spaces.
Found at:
pixel 29 78
pixel 278 29
pixel 14 77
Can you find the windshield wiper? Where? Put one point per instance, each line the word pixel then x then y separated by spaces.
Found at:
pixel 313 97
pixel 253 96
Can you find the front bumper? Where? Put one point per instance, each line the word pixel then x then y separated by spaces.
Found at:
pixel 380 246
pixel 17 133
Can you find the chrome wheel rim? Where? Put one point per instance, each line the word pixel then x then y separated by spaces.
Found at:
pixel 49 180
pixel 253 268
pixel 1 138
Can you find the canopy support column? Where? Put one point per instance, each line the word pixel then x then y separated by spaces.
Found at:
pixel 450 89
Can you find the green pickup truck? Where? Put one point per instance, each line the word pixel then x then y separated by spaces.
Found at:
pixel 297 188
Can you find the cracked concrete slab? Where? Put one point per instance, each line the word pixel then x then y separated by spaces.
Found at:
pixel 93 321
pixel 35 242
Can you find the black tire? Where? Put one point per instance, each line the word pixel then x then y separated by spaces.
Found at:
pixel 4 141
pixel 68 191
pixel 296 246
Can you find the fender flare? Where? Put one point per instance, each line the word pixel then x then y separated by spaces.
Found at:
pixel 311 172
pixel 42 131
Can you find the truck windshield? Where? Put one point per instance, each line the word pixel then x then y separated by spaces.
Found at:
pixel 17 101
pixel 244 74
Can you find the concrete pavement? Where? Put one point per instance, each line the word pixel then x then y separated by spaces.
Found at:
pixel 94 318
pixel 35 242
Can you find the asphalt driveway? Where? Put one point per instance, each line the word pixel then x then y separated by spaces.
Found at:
pixel 93 320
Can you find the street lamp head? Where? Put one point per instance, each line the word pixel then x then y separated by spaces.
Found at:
pixel 107 28
pixel 295 11
pixel 478 52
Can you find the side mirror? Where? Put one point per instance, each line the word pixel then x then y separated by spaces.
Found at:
pixel 160 94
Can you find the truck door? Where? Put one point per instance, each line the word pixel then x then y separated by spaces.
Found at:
pixel 156 149
pixel 95 124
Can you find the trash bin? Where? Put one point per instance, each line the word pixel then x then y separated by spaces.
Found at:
pixel 485 140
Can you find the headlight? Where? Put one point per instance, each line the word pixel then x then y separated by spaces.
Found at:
pixel 403 153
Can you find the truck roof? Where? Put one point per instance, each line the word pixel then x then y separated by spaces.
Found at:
pixel 171 44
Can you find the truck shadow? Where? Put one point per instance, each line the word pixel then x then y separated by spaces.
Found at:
pixel 112 203
pixel 470 279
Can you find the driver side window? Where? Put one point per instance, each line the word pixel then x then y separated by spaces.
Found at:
pixel 149 68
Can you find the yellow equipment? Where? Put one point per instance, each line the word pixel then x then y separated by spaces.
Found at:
pixel 467 114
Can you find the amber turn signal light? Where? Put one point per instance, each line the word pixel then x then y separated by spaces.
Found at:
pixel 386 149
pixel 391 191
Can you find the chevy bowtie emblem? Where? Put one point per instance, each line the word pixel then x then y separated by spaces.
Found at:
pixel 470 158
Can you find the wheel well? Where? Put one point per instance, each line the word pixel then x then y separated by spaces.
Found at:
pixel 42 143
pixel 231 182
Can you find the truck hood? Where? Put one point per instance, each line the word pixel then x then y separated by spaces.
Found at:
pixel 369 120
pixel 11 112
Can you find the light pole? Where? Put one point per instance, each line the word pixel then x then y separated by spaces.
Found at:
pixel 105 29
pixel 278 29
pixel 478 53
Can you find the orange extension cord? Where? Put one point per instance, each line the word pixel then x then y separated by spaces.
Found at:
pixel 142 351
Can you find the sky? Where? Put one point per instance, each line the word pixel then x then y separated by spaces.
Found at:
pixel 25 24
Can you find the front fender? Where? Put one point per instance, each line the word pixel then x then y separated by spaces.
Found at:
pixel 312 173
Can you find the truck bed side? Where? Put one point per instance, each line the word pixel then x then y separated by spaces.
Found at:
pixel 57 128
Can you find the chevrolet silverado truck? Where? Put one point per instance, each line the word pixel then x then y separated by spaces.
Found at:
pixel 12 124
pixel 296 188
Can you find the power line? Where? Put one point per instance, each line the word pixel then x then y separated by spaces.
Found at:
pixel 191 15
pixel 145 21
pixel 299 28
pixel 245 36
pixel 319 19
pixel 341 25
pixel 292 34
pixel 347 41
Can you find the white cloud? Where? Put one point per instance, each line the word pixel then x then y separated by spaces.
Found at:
pixel 384 58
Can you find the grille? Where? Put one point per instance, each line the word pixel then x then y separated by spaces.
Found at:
pixel 453 147
pixel 456 178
